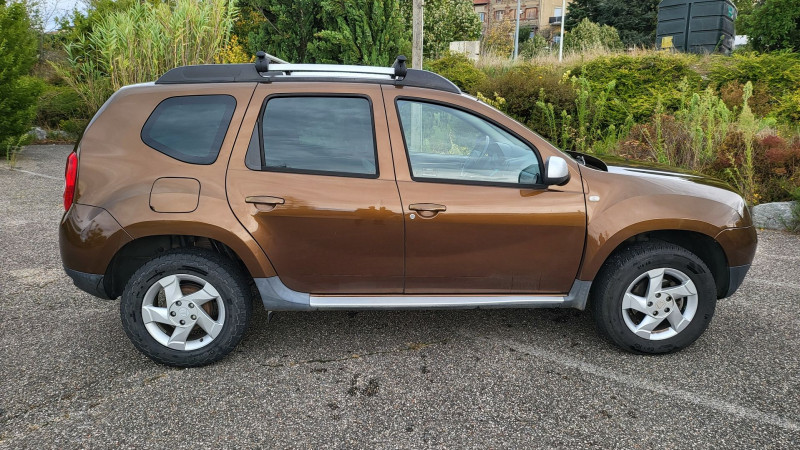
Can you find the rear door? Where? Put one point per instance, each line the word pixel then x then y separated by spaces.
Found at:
pixel 312 180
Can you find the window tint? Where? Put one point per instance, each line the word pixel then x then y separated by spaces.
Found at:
pixel 319 135
pixel 449 144
pixel 190 128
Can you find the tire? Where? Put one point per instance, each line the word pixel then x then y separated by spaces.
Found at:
pixel 204 291
pixel 637 314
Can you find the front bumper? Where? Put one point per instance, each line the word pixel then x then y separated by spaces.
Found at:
pixel 735 278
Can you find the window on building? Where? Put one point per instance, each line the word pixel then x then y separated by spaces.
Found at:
pixel 498 15
pixel 531 13
pixel 482 16
pixel 557 13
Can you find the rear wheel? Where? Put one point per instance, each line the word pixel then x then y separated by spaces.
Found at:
pixel 187 308
pixel 653 297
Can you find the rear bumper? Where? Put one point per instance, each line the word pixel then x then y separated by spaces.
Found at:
pixel 735 278
pixel 88 282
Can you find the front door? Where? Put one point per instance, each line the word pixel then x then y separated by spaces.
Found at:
pixel 316 188
pixel 473 224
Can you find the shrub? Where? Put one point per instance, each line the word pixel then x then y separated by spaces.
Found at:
pixel 642 81
pixel 774 76
pixel 18 91
pixel 534 47
pixel 459 69
pixel 74 127
pixel 588 36
pixel 525 85
pixel 57 103
pixel 499 39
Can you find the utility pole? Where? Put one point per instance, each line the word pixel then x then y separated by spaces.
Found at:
pixel 561 40
pixel 416 30
pixel 516 34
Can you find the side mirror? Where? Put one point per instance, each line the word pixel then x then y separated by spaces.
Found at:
pixel 556 171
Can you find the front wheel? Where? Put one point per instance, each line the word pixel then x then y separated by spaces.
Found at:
pixel 654 297
pixel 187 308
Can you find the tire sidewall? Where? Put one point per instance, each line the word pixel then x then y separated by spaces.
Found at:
pixel 611 306
pixel 237 309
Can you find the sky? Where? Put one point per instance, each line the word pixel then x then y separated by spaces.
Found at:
pixel 50 9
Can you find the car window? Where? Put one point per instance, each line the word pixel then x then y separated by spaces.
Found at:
pixel 445 143
pixel 190 128
pixel 325 135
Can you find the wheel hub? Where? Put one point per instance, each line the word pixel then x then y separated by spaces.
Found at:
pixel 181 314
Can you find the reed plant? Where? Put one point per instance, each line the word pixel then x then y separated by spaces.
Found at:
pixel 141 43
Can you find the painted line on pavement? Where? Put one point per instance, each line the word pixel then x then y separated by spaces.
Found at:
pixel 33 173
pixel 627 380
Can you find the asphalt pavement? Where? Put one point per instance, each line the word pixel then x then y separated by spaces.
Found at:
pixel 69 377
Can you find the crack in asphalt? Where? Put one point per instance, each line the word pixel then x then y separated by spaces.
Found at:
pixel 411 347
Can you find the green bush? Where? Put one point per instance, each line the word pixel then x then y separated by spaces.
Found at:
pixel 642 82
pixel 57 103
pixel 74 127
pixel 18 92
pixel 524 85
pixel 459 69
pixel 778 72
pixel 534 47
pixel 588 36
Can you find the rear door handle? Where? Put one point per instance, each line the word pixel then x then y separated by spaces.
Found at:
pixel 265 200
pixel 427 207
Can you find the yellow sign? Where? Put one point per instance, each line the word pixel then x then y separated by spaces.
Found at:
pixel 666 42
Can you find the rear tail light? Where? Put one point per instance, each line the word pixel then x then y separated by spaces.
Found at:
pixel 70 179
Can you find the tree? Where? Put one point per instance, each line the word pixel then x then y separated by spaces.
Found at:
pixel 289 27
pixel 18 92
pixel 447 21
pixel 773 25
pixel 369 32
pixel 499 38
pixel 589 36
pixel 634 20
pixel 577 10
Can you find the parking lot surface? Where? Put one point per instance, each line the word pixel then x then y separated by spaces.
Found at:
pixel 69 377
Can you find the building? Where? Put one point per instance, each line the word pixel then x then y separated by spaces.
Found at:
pixel 542 16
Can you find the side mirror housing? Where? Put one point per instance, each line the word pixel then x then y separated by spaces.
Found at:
pixel 556 171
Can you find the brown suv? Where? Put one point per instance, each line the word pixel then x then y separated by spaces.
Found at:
pixel 345 187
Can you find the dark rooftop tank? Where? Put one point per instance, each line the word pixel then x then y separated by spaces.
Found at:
pixel 697 26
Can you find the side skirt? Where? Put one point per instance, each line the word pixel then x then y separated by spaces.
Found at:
pixel 276 296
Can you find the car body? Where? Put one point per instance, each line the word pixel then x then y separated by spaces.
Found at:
pixel 335 188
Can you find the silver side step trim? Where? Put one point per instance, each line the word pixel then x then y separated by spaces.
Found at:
pixel 435 302
pixel 276 296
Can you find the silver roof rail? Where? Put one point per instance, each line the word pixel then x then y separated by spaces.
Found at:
pixel 397 71
pixel 280 71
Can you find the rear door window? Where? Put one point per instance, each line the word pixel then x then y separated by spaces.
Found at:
pixel 326 135
pixel 190 128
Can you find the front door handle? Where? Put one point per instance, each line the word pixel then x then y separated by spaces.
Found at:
pixel 265 200
pixel 427 207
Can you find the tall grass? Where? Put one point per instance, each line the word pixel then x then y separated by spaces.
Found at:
pixel 141 43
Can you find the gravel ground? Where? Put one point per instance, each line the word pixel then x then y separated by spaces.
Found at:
pixel 501 378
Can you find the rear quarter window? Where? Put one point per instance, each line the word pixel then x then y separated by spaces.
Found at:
pixel 190 128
